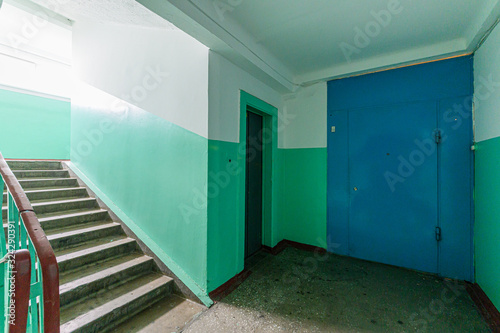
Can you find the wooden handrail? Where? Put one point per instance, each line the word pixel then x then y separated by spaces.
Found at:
pixel 21 273
pixel 43 249
pixel 50 271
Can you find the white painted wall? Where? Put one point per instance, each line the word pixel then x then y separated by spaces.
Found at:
pixel 225 82
pixel 163 71
pixel 487 88
pixel 306 110
pixel 35 52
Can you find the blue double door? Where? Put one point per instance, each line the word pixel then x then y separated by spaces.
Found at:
pixel 399 168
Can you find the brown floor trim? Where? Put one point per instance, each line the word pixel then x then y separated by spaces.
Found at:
pixel 277 249
pixel 228 287
pixel 486 307
pixel 287 243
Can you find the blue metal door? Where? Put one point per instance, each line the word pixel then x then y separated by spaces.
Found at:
pixel 395 195
pixel 393 184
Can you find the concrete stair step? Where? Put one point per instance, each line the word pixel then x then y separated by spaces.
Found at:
pixel 40 174
pixel 34 165
pixel 100 249
pixel 31 184
pixel 48 194
pixel 93 283
pixel 111 307
pixel 75 227
pixel 95 267
pixel 170 314
pixel 70 218
pixel 67 238
pixel 73 222
pixel 65 205
pixel 59 206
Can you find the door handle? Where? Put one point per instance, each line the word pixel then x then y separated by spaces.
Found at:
pixel 355 189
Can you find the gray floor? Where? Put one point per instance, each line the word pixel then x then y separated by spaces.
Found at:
pixel 299 291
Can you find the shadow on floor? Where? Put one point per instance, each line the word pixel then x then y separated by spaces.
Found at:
pixel 300 291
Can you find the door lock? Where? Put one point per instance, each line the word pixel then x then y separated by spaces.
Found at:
pixel 439 236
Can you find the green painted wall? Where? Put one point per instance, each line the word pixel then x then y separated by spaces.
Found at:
pixel 224 212
pixel 487 227
pixel 487 166
pixel 33 127
pixel 153 170
pixel 303 196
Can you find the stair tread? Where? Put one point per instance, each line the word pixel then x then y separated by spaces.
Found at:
pixel 78 231
pixel 170 314
pixel 41 174
pixel 87 226
pixel 38 170
pixel 55 190
pixel 95 267
pixel 50 164
pixel 73 226
pixel 44 179
pixel 68 213
pixel 59 201
pixel 46 202
pixel 47 189
pixel 55 200
pixel 91 246
pixel 77 314
pixel 117 267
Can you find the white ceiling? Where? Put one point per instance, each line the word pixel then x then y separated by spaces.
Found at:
pixel 288 43
pixel 306 35
pixel 110 11
pixel 299 41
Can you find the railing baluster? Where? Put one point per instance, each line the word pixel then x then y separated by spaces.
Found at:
pixel 34 305
pixel 2 184
pixel 23 236
pixel 21 276
pixel 13 223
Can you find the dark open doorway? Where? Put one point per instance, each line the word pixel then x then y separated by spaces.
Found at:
pixel 254 172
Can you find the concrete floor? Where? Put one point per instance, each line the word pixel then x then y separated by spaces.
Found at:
pixel 299 291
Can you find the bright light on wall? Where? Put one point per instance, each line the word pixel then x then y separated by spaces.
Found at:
pixel 35 52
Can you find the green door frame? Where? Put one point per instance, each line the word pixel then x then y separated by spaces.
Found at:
pixel 270 147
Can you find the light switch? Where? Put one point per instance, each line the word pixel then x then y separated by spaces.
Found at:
pixel 333 129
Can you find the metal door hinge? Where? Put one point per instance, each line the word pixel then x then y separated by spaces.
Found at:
pixel 439 236
pixel 437 136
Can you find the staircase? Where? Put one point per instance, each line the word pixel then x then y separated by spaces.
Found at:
pixel 105 279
